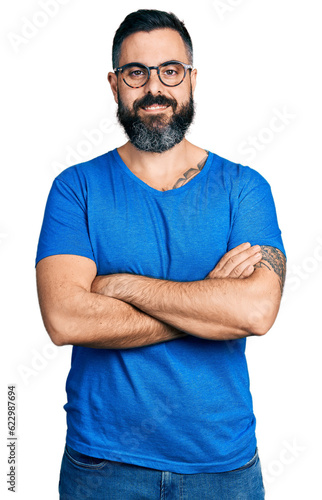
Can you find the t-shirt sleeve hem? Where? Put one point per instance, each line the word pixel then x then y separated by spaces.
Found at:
pixel 49 253
pixel 262 242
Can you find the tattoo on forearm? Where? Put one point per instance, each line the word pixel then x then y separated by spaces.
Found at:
pixel 273 259
pixel 192 172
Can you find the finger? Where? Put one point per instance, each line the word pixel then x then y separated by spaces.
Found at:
pixel 232 253
pixel 247 272
pixel 235 251
pixel 238 271
pixel 232 260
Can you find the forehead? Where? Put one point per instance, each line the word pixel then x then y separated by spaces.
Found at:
pixel 153 48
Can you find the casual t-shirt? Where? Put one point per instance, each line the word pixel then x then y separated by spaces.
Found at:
pixel 184 405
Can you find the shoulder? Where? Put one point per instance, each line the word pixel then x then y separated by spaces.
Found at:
pixel 81 173
pixel 237 174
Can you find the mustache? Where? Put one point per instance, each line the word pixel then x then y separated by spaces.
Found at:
pixel 149 100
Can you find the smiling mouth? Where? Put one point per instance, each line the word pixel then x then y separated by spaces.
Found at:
pixel 155 107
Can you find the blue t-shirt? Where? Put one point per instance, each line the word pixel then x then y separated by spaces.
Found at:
pixel 183 405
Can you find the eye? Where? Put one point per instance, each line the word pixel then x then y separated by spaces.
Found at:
pixel 170 72
pixel 136 72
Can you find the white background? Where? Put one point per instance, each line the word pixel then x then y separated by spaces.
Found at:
pixel 255 59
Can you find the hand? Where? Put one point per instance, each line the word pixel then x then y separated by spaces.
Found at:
pixel 237 263
pixel 105 285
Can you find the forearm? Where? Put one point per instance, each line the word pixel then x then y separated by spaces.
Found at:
pixel 218 309
pixel 92 320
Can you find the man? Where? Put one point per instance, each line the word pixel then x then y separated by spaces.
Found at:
pixel 156 261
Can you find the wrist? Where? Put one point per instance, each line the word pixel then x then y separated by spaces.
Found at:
pixel 98 285
pixel 126 286
pixel 113 285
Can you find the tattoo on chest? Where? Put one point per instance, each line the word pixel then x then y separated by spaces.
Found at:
pixel 273 259
pixel 189 174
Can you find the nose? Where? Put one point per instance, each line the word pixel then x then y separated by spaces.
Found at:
pixel 154 85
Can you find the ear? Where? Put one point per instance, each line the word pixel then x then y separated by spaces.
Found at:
pixel 112 78
pixel 193 79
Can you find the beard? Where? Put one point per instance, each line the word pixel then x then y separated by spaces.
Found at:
pixel 156 134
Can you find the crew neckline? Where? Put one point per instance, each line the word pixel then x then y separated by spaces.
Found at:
pixel 168 192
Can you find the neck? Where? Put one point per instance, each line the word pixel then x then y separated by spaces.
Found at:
pixel 161 169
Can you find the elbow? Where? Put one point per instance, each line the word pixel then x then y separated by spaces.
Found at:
pixel 261 317
pixel 259 330
pixel 57 336
pixel 58 339
pixel 57 331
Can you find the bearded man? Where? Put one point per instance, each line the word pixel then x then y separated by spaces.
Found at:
pixel 156 261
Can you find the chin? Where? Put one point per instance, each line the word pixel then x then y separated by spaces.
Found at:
pixel 159 121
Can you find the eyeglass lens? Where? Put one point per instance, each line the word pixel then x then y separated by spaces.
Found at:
pixel 170 74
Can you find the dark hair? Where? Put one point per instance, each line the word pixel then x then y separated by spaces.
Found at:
pixel 148 20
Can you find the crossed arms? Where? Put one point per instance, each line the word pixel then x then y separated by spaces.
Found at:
pixel 238 298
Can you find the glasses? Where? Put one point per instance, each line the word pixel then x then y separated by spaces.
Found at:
pixel 170 73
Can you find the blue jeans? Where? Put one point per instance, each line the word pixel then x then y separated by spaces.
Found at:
pixel 83 478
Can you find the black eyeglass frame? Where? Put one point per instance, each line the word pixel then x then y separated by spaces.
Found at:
pixel 149 68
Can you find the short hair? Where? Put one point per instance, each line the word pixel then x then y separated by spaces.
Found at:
pixel 148 20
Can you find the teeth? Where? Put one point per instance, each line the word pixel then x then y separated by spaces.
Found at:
pixel 155 107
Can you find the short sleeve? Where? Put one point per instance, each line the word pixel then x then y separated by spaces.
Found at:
pixel 65 227
pixel 254 218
